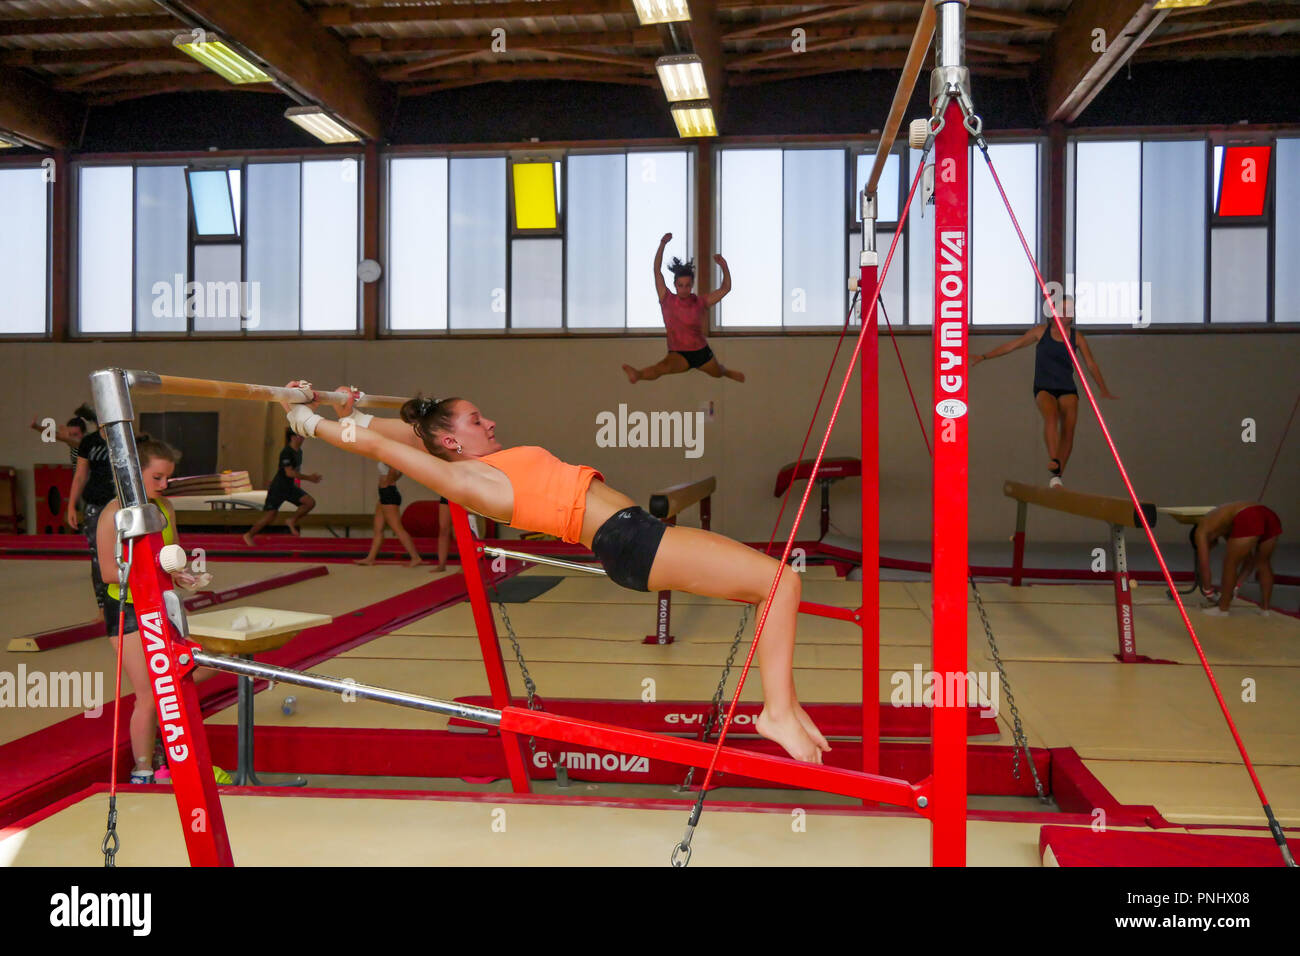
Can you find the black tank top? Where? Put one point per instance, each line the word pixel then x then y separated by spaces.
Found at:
pixel 1052 367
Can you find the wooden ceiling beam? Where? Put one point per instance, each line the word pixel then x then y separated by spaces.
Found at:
pixel 1239 11
pixel 343 15
pixel 599 38
pixel 798 20
pixel 37 113
pixel 706 42
pixel 1081 61
pixel 25 27
pixel 1230 46
pixel 1190 36
pixel 304 54
pixel 115 54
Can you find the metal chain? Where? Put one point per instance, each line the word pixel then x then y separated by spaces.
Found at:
pixel 529 685
pixel 715 710
pixel 1017 728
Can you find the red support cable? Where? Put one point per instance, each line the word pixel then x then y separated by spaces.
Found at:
pixel 1274 827
pixel 489 644
pixel 950 426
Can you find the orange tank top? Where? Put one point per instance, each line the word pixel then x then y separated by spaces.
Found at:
pixel 550 495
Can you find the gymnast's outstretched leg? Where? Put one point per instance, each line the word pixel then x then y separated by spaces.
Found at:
pixel 708 564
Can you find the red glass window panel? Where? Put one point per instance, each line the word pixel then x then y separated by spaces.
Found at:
pixel 1243 183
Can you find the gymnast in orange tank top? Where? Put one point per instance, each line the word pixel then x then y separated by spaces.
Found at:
pixel 451 447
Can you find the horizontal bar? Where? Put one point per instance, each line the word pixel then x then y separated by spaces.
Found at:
pixel 1102 507
pixel 691 753
pixel 538 559
pixel 142 381
pixel 283 675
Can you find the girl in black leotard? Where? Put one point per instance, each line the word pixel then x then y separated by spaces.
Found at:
pixel 1055 393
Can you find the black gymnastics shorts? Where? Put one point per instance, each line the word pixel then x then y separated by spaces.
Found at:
pixel 110 616
pixel 626 545
pixel 276 495
pixel 698 357
pixel 443 501
pixel 390 496
pixel 1055 392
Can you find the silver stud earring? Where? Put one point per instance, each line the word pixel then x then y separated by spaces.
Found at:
pixel 459 450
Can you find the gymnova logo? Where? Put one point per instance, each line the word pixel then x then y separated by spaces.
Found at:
pixel 740 720
pixel 955 689
pixel 81 689
pixel 626 429
pixel 586 760
pixel 103 909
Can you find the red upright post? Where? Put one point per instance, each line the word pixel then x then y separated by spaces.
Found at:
pixel 180 718
pixel 490 645
pixel 162 632
pixel 869 611
pixel 951 317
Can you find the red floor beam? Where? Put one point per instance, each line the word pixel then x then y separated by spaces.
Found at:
pixel 691 753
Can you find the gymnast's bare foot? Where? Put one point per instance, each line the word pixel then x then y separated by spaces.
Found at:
pixel 438 570
pixel 366 561
pixel 789 733
pixel 811 729
pixel 248 540
pixel 414 562
pixel 293 528
pixel 633 375
pixel 735 376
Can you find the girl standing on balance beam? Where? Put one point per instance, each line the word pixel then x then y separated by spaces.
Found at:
pixel 1055 392
pixel 450 447
pixel 684 313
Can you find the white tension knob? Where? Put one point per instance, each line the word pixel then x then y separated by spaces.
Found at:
pixel 172 558
pixel 917 131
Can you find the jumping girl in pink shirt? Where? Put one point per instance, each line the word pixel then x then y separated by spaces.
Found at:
pixel 684 314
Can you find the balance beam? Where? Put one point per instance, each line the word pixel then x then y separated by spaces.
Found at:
pixel 673 500
pixel 1102 507
pixel 1118 513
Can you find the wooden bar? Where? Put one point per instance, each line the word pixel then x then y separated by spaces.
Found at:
pixel 1102 507
pixel 903 95
pixel 210 388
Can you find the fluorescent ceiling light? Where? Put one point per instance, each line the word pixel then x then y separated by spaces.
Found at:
pixel 219 58
pixel 321 125
pixel 682 77
pixel 661 11
pixel 694 118
pixel 7 143
pixel 1175 4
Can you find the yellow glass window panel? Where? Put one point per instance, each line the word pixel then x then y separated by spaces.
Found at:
pixel 535 195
